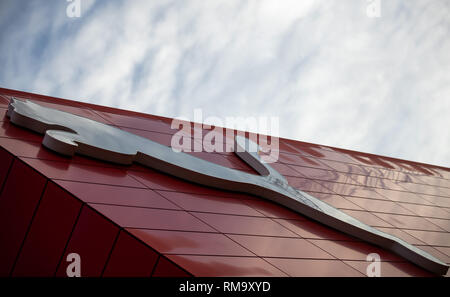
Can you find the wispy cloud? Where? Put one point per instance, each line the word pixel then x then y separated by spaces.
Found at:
pixel 333 75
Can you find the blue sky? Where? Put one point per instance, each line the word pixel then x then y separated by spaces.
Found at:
pixel 333 75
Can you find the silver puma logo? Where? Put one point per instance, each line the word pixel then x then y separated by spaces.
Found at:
pixel 68 134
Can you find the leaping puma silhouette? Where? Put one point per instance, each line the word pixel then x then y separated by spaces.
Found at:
pixel 68 134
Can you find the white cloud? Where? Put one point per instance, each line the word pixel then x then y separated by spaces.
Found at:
pixel 333 75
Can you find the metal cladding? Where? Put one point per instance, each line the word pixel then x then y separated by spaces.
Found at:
pixel 70 134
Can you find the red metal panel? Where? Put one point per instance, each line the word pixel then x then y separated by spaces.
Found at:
pixel 328 155
pixel 175 242
pixel 406 197
pixel 134 217
pixel 427 211
pixel 336 201
pixel 92 239
pixel 6 160
pixel 431 238
pixel 373 205
pixel 314 268
pixel 291 147
pixel 166 268
pixel 130 258
pixel 352 190
pixel 18 201
pixel 307 185
pixel 272 210
pixel 106 194
pixel 443 224
pixel 376 182
pixel 409 222
pixel 159 181
pixel 24 148
pixel 368 218
pixel 232 161
pixel 207 203
pixel 245 225
pixel 226 266
pixel 309 229
pixel 440 252
pixel 442 172
pixel 346 250
pixel 34 149
pixel 9 130
pixel 281 247
pixel 297 160
pixel 435 200
pixel 49 233
pixel 391 269
pixel 325 175
pixel 346 167
pixel 4 101
pixel 82 173
pixel 426 189
pixel 434 181
pixel 285 170
pixel 3 114
pixel 137 122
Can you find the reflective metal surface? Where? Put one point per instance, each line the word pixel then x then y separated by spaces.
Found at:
pixel 68 134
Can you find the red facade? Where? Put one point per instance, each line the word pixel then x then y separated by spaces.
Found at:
pixel 135 221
